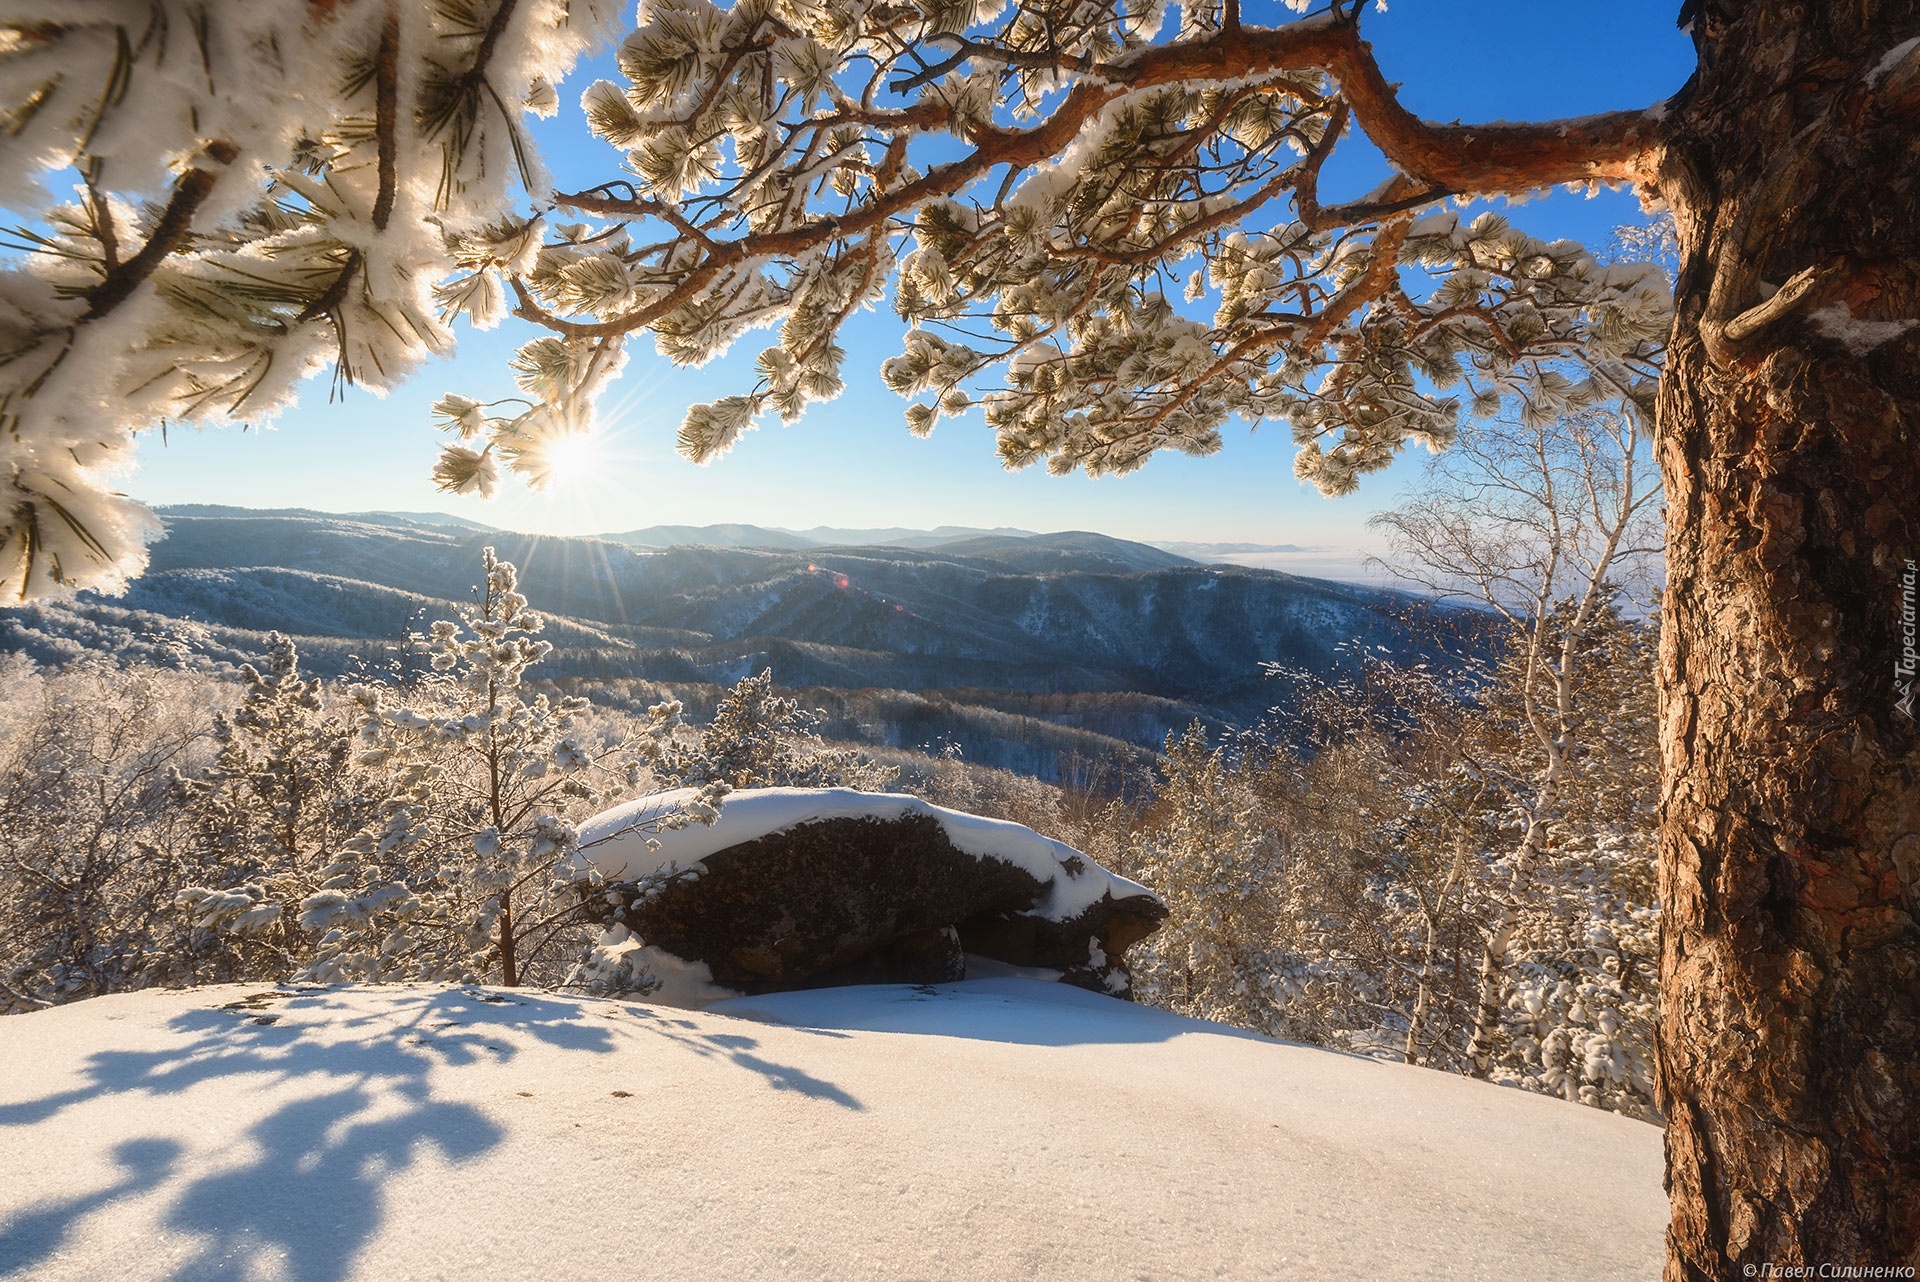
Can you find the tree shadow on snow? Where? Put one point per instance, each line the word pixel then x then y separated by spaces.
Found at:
pixel 26 1240
pixel 316 1188
pixel 312 1193
pixel 735 1048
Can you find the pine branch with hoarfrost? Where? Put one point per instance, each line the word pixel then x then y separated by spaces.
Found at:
pixel 1102 226
pixel 223 199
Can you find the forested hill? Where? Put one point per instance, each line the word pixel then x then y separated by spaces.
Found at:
pixel 1065 617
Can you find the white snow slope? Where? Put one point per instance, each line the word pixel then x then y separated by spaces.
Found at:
pixel 996 1128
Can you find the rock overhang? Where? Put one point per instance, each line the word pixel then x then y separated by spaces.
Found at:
pixel 794 888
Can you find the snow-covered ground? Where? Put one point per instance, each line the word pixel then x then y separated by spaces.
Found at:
pixel 997 1128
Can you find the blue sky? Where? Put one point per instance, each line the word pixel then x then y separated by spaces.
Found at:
pixel 852 462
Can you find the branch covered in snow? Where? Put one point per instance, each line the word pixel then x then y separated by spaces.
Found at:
pixel 224 199
pixel 1103 224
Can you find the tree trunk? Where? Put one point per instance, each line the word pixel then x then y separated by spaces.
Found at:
pixel 1430 956
pixel 509 963
pixel 1492 988
pixel 1789 1053
pixel 1491 991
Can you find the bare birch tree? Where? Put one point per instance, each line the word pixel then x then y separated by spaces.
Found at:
pixel 1543 520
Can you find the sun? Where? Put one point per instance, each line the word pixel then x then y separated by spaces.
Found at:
pixel 572 459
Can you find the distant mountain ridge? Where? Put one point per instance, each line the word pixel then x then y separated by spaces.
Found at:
pixel 897 537
pixel 432 520
pixel 1022 548
pixel 1135 640
pixel 1202 550
pixel 718 536
pixel 767 536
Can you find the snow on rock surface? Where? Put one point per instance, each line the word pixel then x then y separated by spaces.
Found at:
pixel 628 842
pixel 801 888
pixel 993 1129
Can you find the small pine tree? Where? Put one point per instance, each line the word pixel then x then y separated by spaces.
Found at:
pixel 758 739
pixel 453 875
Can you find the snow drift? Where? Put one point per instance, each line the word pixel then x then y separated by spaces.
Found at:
pixel 998 1128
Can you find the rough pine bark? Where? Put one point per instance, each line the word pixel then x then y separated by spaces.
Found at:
pixel 1789 1055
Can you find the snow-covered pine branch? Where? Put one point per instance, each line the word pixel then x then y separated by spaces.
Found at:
pixel 1103 226
pixel 222 199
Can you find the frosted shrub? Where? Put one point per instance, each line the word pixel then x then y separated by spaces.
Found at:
pixel 1218 862
pixel 268 814
pixel 1345 895
pixel 91 846
pixel 1581 1019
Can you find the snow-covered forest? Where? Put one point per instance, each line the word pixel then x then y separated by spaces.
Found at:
pixel 1355 874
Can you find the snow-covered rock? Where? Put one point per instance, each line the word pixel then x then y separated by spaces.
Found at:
pixel 630 841
pixel 993 1129
pixel 795 887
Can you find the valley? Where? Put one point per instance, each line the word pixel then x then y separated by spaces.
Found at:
pixel 1016 649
